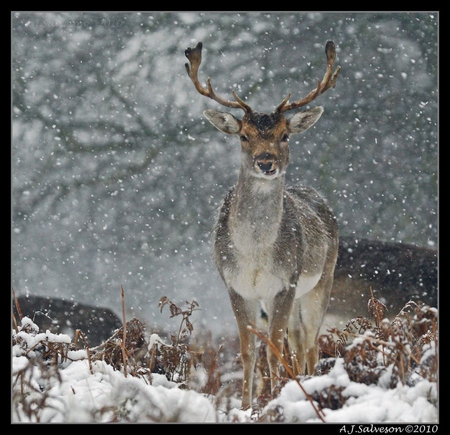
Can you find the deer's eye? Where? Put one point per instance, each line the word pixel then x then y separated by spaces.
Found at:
pixel 244 138
pixel 285 137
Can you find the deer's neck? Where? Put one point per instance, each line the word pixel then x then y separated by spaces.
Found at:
pixel 257 209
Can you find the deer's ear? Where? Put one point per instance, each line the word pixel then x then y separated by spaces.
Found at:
pixel 301 121
pixel 223 121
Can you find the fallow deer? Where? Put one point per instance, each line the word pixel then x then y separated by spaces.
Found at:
pixel 396 273
pixel 65 317
pixel 273 245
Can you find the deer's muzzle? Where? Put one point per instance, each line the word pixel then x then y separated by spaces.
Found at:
pixel 266 164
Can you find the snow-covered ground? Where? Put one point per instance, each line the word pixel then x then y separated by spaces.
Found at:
pixel 78 390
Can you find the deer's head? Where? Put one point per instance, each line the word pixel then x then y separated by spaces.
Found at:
pixel 264 137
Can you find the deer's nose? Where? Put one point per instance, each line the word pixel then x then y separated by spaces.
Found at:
pixel 265 165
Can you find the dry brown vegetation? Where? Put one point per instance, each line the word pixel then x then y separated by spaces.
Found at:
pixel 374 350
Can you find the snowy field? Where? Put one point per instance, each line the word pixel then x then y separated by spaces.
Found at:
pixel 81 389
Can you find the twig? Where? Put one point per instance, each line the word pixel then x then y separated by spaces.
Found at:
pixel 277 353
pixel 80 333
pixel 19 311
pixel 77 333
pixel 16 301
pixel 16 326
pixel 124 353
pixel 209 387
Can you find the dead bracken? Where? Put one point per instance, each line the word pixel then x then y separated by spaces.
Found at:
pixel 374 351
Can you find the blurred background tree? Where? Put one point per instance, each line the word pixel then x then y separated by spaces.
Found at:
pixel 116 176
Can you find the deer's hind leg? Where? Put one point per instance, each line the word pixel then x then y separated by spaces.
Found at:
pixel 304 326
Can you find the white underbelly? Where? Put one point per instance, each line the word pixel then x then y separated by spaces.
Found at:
pixel 256 284
pixel 306 283
pixel 262 284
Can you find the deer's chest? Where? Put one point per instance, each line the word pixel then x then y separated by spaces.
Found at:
pixel 256 274
pixel 255 278
pixel 263 266
pixel 253 229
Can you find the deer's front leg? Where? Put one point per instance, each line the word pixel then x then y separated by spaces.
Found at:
pixel 279 313
pixel 245 313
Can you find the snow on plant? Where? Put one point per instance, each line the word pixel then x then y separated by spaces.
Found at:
pixel 376 371
pixel 390 352
pixel 42 362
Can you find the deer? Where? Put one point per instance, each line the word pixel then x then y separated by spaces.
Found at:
pixel 274 246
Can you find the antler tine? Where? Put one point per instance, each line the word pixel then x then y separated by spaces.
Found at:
pixel 194 56
pixel 328 81
pixel 283 103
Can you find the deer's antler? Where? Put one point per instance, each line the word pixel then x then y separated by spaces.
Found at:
pixel 328 81
pixel 194 56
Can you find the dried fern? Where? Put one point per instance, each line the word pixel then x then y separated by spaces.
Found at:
pixel 399 348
